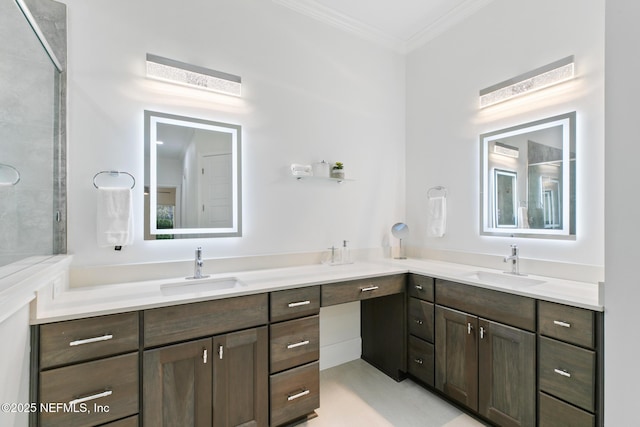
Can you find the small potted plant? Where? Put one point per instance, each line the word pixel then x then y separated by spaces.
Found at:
pixel 337 171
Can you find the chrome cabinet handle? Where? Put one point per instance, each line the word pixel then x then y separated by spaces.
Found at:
pixel 220 351
pixel 369 289
pixel 105 337
pixel 418 361
pixel 481 332
pixel 418 287
pixel 469 327
pixel 204 356
pixel 418 321
pixel 561 323
pixel 298 304
pixel 91 397
pixel 562 372
pixel 297 395
pixel 298 344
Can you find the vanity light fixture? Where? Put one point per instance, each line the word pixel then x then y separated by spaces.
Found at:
pixel 540 78
pixel 172 71
pixel 506 150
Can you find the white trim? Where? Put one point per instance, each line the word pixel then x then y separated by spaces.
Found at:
pixel 431 30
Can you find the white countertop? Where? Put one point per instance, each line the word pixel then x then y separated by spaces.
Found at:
pixel 90 301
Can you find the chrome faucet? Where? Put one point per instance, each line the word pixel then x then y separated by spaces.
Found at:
pixel 197 268
pixel 515 260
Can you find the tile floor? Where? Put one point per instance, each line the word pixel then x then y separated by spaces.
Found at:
pixel 356 394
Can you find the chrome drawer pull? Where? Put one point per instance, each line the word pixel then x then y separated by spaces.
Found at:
pixel 418 361
pixel 469 327
pixel 105 337
pixel 369 289
pixel 298 304
pixel 91 397
pixel 298 344
pixel 562 372
pixel 297 395
pixel 220 352
pixel 419 322
pixel 561 323
pixel 419 287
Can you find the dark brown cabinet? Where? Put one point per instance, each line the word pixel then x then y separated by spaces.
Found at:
pixel 219 381
pixel 294 347
pixel 420 327
pixel 487 366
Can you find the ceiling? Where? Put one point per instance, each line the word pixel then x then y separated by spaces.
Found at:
pixel 402 25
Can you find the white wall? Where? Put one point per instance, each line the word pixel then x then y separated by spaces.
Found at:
pixel 501 41
pixel 622 287
pixel 310 92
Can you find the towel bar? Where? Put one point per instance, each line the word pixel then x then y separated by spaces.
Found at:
pixel 114 173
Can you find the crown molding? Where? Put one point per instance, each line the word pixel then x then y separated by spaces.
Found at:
pixel 446 21
pixel 331 17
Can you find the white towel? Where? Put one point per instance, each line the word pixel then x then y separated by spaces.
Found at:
pixel 436 216
pixel 115 216
pixel 523 217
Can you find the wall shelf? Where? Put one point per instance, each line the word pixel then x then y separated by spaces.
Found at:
pixel 322 178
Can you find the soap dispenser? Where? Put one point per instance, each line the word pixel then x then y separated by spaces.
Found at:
pixel 345 255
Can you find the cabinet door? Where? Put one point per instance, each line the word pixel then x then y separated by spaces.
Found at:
pixel 507 375
pixel 240 378
pixel 457 356
pixel 177 385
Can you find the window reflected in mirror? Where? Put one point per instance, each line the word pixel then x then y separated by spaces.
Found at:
pixel 192 178
pixel 542 202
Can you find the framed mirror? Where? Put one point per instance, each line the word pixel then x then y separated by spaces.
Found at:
pixel 528 179
pixel 192 178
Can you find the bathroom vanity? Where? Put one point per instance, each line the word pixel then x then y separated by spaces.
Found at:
pixel 511 355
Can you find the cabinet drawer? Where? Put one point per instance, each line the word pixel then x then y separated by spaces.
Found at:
pixel 356 290
pixel 295 393
pixel 421 360
pixel 127 422
pixel 110 384
pixel 567 372
pixel 420 319
pixel 187 321
pixel 420 287
pixel 293 303
pixel 570 324
pixel 555 413
pixel 294 343
pixel 502 307
pixel 74 341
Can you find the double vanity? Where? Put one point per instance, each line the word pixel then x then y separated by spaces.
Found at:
pixel 243 349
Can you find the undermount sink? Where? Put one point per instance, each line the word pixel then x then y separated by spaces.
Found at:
pixel 502 278
pixel 188 286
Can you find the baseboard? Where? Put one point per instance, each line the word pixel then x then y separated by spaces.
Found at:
pixel 339 353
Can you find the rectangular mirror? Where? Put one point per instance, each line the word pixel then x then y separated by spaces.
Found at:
pixel 542 203
pixel 192 178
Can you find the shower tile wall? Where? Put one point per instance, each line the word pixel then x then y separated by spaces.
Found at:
pixel 27 134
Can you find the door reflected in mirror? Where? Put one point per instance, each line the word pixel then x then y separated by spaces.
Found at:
pixel 542 202
pixel 192 178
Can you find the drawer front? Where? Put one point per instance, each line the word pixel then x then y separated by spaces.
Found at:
pixel 75 341
pixel 294 343
pixel 555 413
pixel 127 422
pixel 570 324
pixel 293 303
pixel 356 290
pixel 567 372
pixel 420 287
pixel 421 360
pixel 513 310
pixel 420 319
pixel 295 393
pixel 187 321
pixel 105 390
